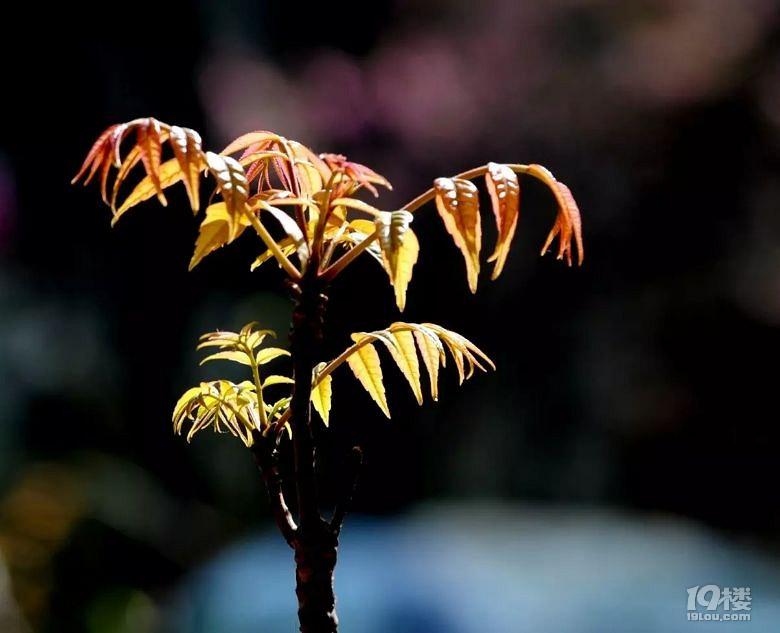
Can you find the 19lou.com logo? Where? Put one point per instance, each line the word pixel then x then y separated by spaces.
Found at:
pixel 719 604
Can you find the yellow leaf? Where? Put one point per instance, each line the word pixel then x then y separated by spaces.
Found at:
pixel 218 228
pixel 267 354
pixel 238 357
pixel 286 245
pixel 321 394
pixel 358 205
pixel 231 182
pixel 364 363
pixel 277 380
pixel 220 404
pixel 170 173
pixel 405 356
pixel 431 351
pixel 183 404
pixel 278 407
pixel 400 249
pixel 364 227
pixel 504 189
pixel 407 258
pixel 458 204
pixel 462 350
pixel 457 355
pixel 256 337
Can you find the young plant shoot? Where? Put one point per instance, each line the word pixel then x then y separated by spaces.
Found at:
pixel 269 185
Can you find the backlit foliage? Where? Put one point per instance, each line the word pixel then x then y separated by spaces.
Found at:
pixel 278 186
pixel 242 408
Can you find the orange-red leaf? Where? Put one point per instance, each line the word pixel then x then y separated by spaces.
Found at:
pixel 457 201
pixel 148 139
pixel 567 223
pixel 353 176
pixel 150 134
pixel 504 190
pixel 100 156
pixel 186 144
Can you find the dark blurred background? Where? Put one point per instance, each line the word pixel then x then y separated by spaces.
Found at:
pixel 636 391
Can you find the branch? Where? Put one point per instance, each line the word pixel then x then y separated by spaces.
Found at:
pixel 345 260
pixel 411 206
pixel 355 461
pixel 280 257
pixel 266 455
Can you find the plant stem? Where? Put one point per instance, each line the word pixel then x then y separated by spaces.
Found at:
pixel 315 541
pixel 305 340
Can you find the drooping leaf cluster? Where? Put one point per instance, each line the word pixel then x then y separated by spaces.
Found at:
pixel 279 186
